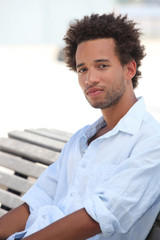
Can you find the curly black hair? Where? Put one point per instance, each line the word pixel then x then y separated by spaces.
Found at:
pixel 123 31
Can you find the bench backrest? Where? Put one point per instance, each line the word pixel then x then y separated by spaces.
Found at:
pixel 23 157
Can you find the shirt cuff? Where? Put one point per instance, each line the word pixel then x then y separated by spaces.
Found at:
pixel 95 208
pixel 36 198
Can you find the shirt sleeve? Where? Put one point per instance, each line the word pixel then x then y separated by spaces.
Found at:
pixel 119 202
pixel 43 191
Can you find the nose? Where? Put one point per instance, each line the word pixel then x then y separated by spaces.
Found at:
pixel 92 77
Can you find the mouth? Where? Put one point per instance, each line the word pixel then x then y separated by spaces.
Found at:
pixel 94 91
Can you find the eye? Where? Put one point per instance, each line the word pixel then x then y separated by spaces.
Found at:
pixel 103 66
pixel 82 70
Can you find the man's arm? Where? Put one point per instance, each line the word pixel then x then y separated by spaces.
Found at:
pixel 13 221
pixel 78 225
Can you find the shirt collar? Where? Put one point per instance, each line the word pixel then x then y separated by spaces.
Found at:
pixel 130 123
pixel 91 130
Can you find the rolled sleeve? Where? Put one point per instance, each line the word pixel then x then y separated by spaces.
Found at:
pixel 36 198
pixel 97 210
pixel 118 203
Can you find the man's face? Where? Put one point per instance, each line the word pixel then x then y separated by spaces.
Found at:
pixel 100 73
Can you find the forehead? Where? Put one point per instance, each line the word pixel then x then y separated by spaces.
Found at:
pixel 95 49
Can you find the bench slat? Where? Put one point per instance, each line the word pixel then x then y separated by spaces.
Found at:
pixel 20 165
pixel 29 151
pixel 155 232
pixel 37 139
pixel 9 199
pixel 15 182
pixel 2 212
pixel 53 134
pixel 61 132
pixel 158 217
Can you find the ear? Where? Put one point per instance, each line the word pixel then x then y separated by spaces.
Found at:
pixel 130 70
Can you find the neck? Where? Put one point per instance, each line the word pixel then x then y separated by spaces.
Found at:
pixel 113 114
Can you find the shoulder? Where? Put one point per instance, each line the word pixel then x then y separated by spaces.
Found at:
pixel 148 136
pixel 150 125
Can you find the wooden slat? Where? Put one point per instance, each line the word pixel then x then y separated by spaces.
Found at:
pixel 29 151
pixel 62 133
pixel 155 232
pixel 2 212
pixel 51 133
pixel 38 140
pixel 9 199
pixel 14 182
pixel 20 165
pixel 158 217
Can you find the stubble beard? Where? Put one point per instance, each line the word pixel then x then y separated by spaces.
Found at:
pixel 111 98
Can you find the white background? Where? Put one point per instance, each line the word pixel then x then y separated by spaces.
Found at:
pixel 38 91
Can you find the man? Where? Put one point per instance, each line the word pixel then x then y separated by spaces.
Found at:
pixel 105 184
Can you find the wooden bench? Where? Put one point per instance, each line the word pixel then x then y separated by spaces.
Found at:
pixel 24 155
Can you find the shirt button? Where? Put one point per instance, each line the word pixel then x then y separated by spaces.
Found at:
pixel 72 194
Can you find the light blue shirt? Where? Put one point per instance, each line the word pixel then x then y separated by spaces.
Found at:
pixel 116 179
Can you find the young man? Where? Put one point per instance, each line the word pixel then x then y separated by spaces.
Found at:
pixel 105 184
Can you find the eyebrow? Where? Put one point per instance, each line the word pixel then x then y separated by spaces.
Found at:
pixel 97 60
pixel 79 65
pixel 102 60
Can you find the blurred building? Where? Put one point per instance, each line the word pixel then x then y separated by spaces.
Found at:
pixel 45 21
pixel 145 12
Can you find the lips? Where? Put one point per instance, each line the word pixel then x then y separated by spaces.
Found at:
pixel 94 91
